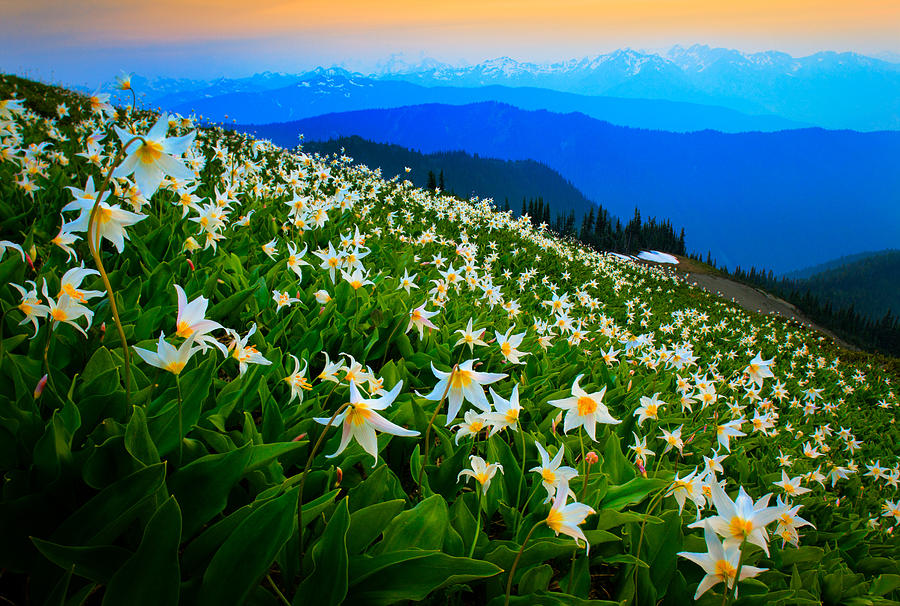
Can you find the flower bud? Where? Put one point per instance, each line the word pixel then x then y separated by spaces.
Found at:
pixel 339 473
pixel 39 388
pixel 300 437
pixel 591 458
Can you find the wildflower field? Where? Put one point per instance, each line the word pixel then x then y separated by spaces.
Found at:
pixel 236 374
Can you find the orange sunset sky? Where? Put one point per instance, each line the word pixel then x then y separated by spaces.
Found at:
pixel 83 40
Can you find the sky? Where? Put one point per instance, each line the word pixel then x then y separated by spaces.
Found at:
pixel 90 41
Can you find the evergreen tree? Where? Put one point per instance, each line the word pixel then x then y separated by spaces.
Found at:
pixel 432 184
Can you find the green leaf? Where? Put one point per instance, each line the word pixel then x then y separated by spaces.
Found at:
pixel 369 522
pixel 103 518
pixel 151 576
pixel 327 583
pixel 249 551
pixel 263 454
pixel 413 577
pixel 137 438
pixel 424 526
pixel 884 584
pixel 97 563
pixel 630 493
pixel 535 579
pixel 202 486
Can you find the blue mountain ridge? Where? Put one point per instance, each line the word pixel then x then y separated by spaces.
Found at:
pixel 781 200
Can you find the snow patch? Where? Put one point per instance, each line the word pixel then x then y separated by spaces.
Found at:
pixel 657 257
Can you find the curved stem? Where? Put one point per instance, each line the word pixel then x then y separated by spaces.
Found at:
pixel 431 422
pixel 512 571
pixel 93 240
pixel 521 478
pixel 281 597
pixel 477 520
pixel 387 345
pixel 309 461
pixel 180 421
pixel 737 576
pixel 47 361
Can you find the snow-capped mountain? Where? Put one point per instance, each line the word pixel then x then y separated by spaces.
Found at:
pixel 834 90
pixel 828 89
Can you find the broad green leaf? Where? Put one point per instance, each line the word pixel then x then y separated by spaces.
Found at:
pixel 248 552
pixel 327 583
pixel 424 527
pixel 137 438
pixel 98 563
pixel 630 493
pixel 103 518
pixel 415 577
pixel 151 576
pixel 368 523
pixel 202 486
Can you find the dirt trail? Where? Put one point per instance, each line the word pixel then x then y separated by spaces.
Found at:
pixel 753 299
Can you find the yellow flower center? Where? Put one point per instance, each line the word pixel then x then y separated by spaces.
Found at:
pixel 149 152
pixel 476 426
pixel 73 292
pixel 333 262
pixel 506 348
pixel 548 476
pixel 460 379
pixel 512 415
pixel 555 520
pixel 358 414
pixel 59 315
pixel 725 570
pixel 651 410
pixel 183 329
pixel 586 406
pixel 175 367
pixel 740 528
pixel 104 214
pixel 356 284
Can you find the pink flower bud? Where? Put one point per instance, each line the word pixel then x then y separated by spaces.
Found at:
pixel 641 468
pixel 190 264
pixel 39 388
pixel 591 458
pixel 298 438
pixel 340 476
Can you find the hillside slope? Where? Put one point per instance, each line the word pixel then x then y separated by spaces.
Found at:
pixel 291 381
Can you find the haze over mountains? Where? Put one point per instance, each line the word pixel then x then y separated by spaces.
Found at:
pixel 780 200
pixel 629 129
pixel 827 89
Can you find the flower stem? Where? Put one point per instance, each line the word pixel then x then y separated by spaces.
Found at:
pixel 477 521
pixel 512 571
pixel 431 422
pixel 180 421
pixel 283 599
pixel 94 247
pixel 309 461
pixel 387 344
pixel 521 479
pixel 47 361
pixel 737 577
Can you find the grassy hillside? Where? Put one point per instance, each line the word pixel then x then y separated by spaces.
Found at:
pixel 465 175
pixel 211 421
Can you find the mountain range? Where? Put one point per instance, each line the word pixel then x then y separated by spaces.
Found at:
pixel 334 90
pixel 780 200
pixel 827 89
